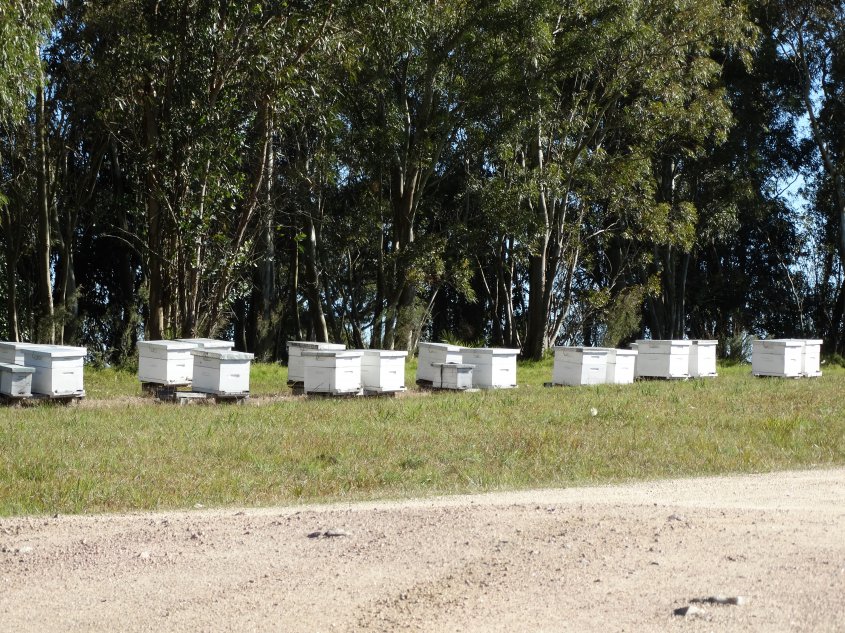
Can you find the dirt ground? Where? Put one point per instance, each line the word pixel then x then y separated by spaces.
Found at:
pixel 618 558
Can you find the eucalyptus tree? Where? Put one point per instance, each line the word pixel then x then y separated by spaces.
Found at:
pixel 406 105
pixel 612 89
pixel 189 94
pixel 23 28
pixel 811 37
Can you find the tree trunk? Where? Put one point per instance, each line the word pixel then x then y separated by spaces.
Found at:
pixel 44 290
pixel 312 283
pixel 11 293
pixel 155 274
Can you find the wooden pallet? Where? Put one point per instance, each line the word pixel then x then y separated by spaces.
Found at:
pixel 173 395
pixel 37 398
pixel 152 388
pixel 427 385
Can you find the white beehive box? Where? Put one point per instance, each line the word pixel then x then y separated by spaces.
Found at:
pixel 16 380
pixel 579 366
pixel 335 372
pixel 431 353
pixel 811 363
pixel 456 376
pixel 221 372
pixel 383 371
pixel 621 366
pixel 209 343
pixel 493 368
pixel 663 359
pixel 702 359
pixel 296 366
pixel 58 369
pixel 778 357
pixel 165 362
pixel 11 352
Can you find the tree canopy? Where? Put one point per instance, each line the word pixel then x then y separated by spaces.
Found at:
pixel 506 172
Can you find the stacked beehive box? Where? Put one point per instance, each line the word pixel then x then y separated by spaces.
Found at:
pixel 221 372
pixel 492 367
pixel 382 371
pixel 702 359
pixel 786 358
pixel 53 371
pixel 332 372
pixel 579 366
pixel 431 357
pixel 166 363
pixel 16 380
pixel 621 366
pixel 296 364
pixel 663 359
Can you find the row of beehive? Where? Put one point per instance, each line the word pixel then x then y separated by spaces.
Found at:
pixel 211 366
pixel 208 365
pixel 646 359
pixel 332 369
pixel 53 371
pixel 445 366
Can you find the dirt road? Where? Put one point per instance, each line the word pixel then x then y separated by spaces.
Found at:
pixel 602 559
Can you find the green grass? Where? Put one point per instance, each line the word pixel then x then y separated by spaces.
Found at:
pixel 121 453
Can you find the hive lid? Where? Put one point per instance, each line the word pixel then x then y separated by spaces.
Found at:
pixel 171 346
pixel 16 369
pixel 623 352
pixel 339 353
pixel 444 346
pixel 582 350
pixel 813 341
pixel 57 351
pixel 666 342
pixel 383 353
pixel 779 342
pixel 16 345
pixel 222 354
pixel 304 345
pixel 208 343
pixel 494 351
pixel 703 343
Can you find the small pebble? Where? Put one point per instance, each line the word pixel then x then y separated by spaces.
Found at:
pixel 690 611
pixel 334 532
pixel 735 600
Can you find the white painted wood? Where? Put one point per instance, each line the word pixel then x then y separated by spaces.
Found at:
pixel 58 369
pixel 431 353
pixel 16 380
pixel 778 357
pixel 165 362
pixel 702 359
pixel 493 367
pixel 457 376
pixel 209 343
pixel 335 372
pixel 663 358
pixel 621 366
pixel 296 366
pixel 576 366
pixel 811 361
pixel 12 352
pixel 383 371
pixel 221 372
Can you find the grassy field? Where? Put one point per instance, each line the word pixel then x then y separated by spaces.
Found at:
pixel 118 451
